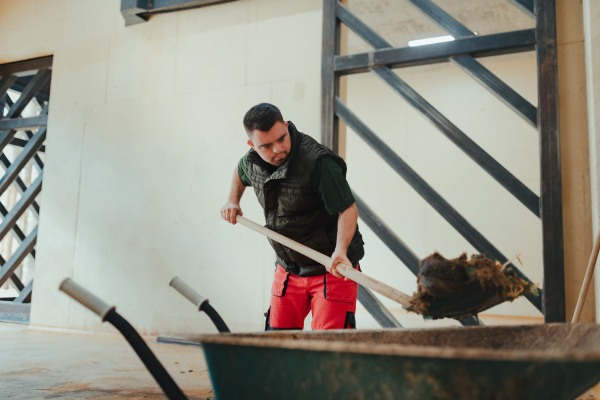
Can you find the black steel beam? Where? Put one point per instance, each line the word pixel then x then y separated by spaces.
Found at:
pixel 467 62
pixel 524 5
pixel 442 18
pixel 20 236
pixel 41 96
pixel 28 93
pixel 24 202
pixel 20 185
pixel 329 80
pixel 136 11
pixel 15 260
pixel 6 83
pixel 14 278
pixel 477 46
pixel 490 81
pixel 382 315
pixel 22 67
pixel 462 141
pixel 395 244
pixel 23 143
pixel 24 123
pixel 551 183
pixel 497 87
pixel 387 236
pixel 133 9
pixel 360 28
pixel 25 295
pixel 30 134
pixel 28 152
pixel 457 221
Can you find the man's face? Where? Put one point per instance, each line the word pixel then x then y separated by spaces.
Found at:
pixel 274 145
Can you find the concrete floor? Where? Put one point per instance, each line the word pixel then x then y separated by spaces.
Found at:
pixel 46 364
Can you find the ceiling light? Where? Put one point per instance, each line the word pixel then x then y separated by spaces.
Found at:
pixel 438 39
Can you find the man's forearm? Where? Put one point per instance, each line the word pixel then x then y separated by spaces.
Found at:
pixel 347 222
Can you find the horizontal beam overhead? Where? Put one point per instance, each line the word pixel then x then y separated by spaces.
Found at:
pixel 477 46
pixel 137 11
pixel 20 68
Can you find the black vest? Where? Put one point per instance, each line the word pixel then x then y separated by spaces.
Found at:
pixel 292 208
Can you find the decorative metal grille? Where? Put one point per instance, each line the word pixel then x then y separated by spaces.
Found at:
pixel 24 100
pixel 463 52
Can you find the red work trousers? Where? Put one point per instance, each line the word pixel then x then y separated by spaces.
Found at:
pixel 332 301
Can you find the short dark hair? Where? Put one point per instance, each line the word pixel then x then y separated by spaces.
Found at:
pixel 262 117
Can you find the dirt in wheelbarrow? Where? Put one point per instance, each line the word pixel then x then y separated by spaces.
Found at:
pixel 462 287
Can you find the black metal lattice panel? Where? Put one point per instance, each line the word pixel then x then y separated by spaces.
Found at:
pixel 463 52
pixel 24 100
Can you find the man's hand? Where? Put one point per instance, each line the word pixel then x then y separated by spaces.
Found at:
pixel 230 211
pixel 338 257
pixel 346 228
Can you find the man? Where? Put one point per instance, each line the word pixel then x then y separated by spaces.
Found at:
pixel 302 188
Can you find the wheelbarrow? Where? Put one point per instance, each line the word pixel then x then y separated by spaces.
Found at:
pixel 529 362
pixel 552 361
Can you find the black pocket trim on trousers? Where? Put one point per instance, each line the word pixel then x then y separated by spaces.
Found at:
pixel 350 322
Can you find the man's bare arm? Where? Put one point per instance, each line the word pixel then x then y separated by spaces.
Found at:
pixel 347 222
pixel 231 209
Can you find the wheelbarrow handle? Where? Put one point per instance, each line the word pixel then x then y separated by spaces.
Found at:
pixel 85 298
pixel 343 269
pixel 187 292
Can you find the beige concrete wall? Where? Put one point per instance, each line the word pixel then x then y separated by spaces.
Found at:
pixel 144 133
pixel 577 219
pixel 145 130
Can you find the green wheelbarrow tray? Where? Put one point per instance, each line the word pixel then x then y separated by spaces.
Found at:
pixel 552 361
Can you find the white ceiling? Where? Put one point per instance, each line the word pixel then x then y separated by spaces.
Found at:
pixel 399 21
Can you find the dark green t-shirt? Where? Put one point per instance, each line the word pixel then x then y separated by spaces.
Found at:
pixel 327 179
